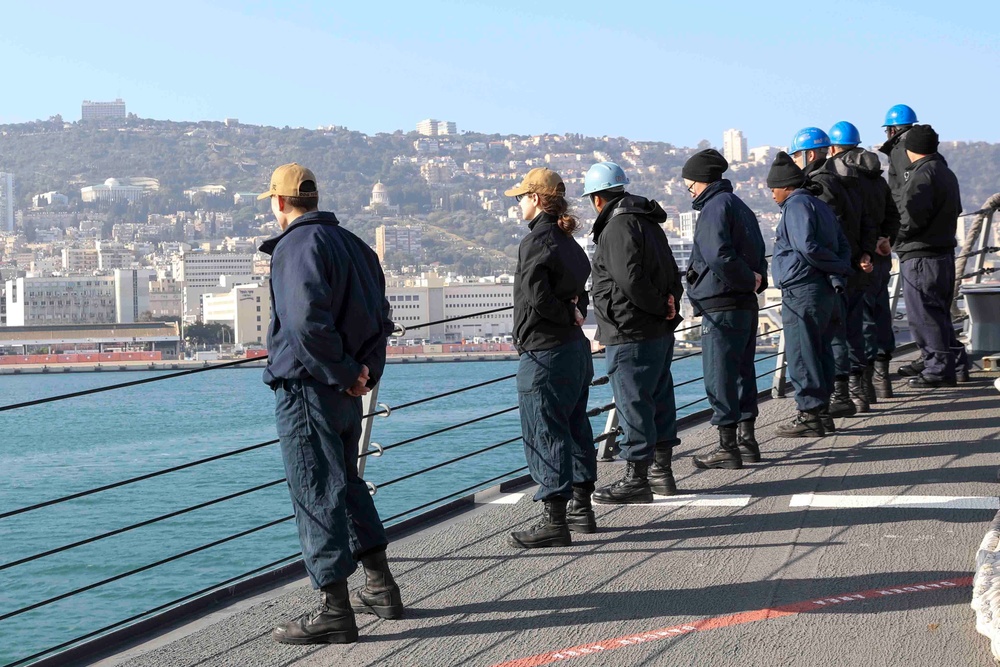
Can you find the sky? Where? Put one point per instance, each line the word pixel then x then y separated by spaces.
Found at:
pixel 667 71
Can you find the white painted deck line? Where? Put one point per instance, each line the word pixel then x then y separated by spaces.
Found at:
pixel 693 500
pixel 503 499
pixel 912 502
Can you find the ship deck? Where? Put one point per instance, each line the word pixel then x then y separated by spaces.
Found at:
pixel 854 549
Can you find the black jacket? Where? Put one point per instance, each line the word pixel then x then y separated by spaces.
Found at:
pixel 634 272
pixel 552 268
pixel 898 162
pixel 728 250
pixel 880 209
pixel 839 189
pixel 931 204
pixel 329 314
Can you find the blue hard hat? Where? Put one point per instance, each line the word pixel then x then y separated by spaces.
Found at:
pixel 844 134
pixel 604 176
pixel 900 114
pixel 808 138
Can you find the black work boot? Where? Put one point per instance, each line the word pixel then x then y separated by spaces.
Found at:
pixel 632 488
pixel 580 512
pixel 661 473
pixel 883 385
pixel 551 531
pixel 841 404
pixel 856 387
pixel 746 439
pixel 805 425
pixel 912 369
pixel 869 384
pixel 332 623
pixel 826 420
pixel 726 456
pixel 380 595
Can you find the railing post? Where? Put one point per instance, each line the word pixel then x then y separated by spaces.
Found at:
pixel 895 289
pixel 608 447
pixel 984 243
pixel 369 402
pixel 778 383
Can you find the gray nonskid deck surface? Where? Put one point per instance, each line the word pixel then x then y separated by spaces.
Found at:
pixel 472 600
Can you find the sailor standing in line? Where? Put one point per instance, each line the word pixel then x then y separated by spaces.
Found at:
pixel 636 294
pixel 810 264
pixel 326 342
pixel 881 212
pixel 556 367
pixel 837 185
pixel 726 273
pixel 931 204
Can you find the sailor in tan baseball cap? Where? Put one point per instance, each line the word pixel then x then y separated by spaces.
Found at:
pixel 291 180
pixel 540 181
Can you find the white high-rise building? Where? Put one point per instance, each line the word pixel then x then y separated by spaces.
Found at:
pixel 734 146
pixel 432 127
pixel 98 110
pixel 6 202
pixel 688 219
pixel 246 308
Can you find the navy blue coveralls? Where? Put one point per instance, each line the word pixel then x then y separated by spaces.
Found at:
pixel 728 250
pixel 812 260
pixel 634 275
pixel 556 367
pixel 329 315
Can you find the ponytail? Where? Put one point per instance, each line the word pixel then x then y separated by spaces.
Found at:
pixel 557 206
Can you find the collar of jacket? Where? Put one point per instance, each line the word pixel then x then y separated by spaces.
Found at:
pixel 933 157
pixel 542 218
pixel 311 218
pixel 890 143
pixel 722 185
pixel 796 192
pixel 815 165
pixel 605 215
pixel 865 162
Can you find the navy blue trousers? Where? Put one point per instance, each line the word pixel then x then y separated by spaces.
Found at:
pixel 807 316
pixel 848 339
pixel 552 391
pixel 729 343
pixel 644 395
pixel 880 341
pixel 319 429
pixel 928 288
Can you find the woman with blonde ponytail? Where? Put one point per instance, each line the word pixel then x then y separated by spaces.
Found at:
pixel 556 368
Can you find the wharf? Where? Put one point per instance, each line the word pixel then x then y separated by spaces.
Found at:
pixel 854 549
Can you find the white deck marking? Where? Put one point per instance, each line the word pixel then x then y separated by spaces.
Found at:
pixel 503 499
pixel 695 500
pixel 913 502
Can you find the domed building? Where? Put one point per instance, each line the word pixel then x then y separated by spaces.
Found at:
pixel 113 190
pixel 380 195
pixel 381 202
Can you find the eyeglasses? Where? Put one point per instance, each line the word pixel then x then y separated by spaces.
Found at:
pixel 690 188
pixel 518 198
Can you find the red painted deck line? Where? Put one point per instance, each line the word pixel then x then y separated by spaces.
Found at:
pixel 704 624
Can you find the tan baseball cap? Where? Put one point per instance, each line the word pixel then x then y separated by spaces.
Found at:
pixel 540 181
pixel 287 179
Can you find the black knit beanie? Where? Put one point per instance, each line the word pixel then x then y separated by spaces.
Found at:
pixel 705 166
pixel 785 173
pixel 921 139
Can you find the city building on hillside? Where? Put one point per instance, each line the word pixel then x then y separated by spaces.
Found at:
pixel 380 202
pixel 6 202
pixel 734 146
pixel 434 128
pixel 112 190
pixel 398 238
pixel 49 199
pixel 210 190
pixel 166 298
pixel 101 110
pixel 77 261
pixel 765 154
pixel 210 272
pixel 246 308
pixel 688 219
